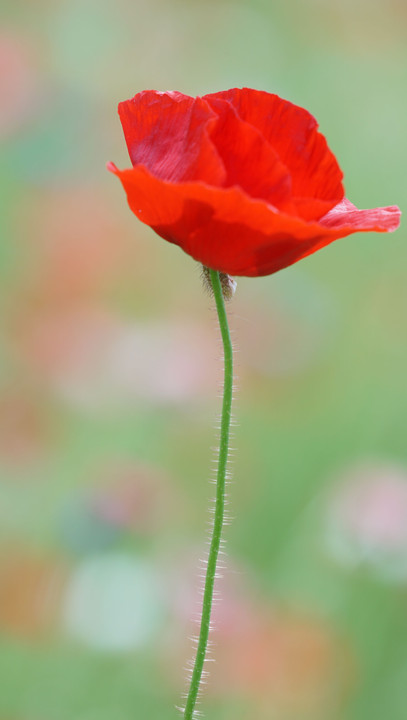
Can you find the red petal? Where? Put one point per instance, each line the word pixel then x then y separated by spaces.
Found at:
pixel 168 133
pixel 346 215
pixel 293 134
pixel 249 161
pixel 226 230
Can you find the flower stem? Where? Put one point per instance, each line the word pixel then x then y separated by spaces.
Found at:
pixel 220 498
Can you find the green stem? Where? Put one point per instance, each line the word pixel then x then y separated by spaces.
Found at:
pixel 220 498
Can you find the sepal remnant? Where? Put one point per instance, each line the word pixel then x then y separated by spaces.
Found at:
pixel 228 283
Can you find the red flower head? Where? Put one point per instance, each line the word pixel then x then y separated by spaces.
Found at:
pixel 241 180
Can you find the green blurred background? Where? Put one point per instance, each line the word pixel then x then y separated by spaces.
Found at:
pixel 110 368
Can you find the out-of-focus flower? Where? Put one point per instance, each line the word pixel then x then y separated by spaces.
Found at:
pixel 79 248
pixel 114 603
pixel 18 82
pixel 31 588
pixel 367 520
pixel 129 498
pixel 280 661
pixel 291 663
pixel 94 360
pixel 241 180
pixel 133 497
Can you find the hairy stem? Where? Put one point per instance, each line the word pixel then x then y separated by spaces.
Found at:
pixel 220 498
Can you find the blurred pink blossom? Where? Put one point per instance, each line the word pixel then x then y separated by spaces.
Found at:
pixel 133 497
pixel 281 661
pixel 94 359
pixel 19 83
pixel 367 519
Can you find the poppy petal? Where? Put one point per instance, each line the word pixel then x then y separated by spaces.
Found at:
pixel 293 134
pixel 249 161
pixel 169 133
pixel 227 230
pixel 345 214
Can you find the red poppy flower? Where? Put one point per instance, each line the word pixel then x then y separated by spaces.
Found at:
pixel 241 180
